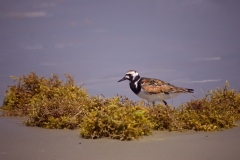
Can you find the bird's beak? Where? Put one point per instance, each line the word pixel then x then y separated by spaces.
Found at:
pixel 124 78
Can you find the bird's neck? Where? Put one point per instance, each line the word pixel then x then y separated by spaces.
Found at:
pixel 135 85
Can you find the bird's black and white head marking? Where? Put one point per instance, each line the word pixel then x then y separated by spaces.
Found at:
pixel 134 79
pixel 131 75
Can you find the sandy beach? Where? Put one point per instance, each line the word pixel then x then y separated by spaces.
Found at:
pixel 18 142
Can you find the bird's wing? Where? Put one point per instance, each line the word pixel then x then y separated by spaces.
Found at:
pixel 156 86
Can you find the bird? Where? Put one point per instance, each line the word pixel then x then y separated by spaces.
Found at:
pixel 152 89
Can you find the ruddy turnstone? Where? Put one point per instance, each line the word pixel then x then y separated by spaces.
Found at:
pixel 152 89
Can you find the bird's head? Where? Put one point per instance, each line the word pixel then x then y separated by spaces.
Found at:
pixel 131 75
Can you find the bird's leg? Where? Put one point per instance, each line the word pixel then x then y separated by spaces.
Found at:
pixel 153 104
pixel 148 103
pixel 165 103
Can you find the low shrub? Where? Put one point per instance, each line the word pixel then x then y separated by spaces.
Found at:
pixel 47 102
pixel 124 123
pixel 164 118
pixel 217 110
pixel 52 103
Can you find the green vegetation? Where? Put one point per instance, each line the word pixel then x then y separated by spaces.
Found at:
pixel 124 123
pixel 48 103
pixel 52 103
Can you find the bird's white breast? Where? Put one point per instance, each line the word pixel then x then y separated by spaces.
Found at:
pixel 155 97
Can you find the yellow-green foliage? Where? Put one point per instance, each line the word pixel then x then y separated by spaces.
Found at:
pixel 218 109
pixel 61 107
pixel 17 98
pixel 51 103
pixel 48 103
pixel 124 123
pixel 164 118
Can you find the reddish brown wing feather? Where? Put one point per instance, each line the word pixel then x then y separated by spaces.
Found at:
pixel 155 86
